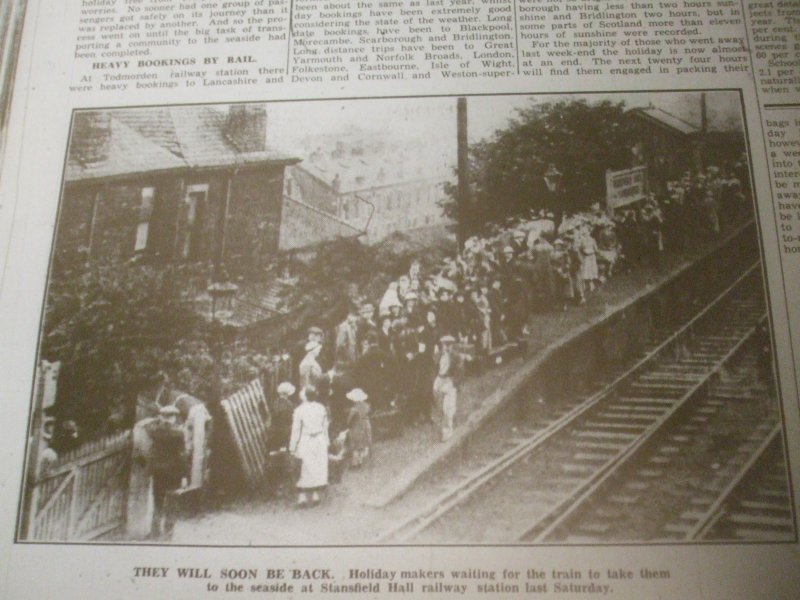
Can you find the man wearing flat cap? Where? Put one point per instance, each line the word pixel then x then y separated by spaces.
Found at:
pixel 347 338
pixel 167 465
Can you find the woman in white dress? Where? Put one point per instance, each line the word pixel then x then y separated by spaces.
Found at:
pixel 310 370
pixel 309 443
pixel 589 270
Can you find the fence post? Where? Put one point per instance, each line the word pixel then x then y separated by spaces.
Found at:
pixel 29 529
pixel 30 495
pixel 72 521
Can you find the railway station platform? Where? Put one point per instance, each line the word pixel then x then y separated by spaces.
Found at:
pixel 369 501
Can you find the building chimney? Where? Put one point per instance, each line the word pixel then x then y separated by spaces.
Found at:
pixel 246 127
pixel 91 136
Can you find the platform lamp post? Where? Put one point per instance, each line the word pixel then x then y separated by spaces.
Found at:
pixel 555 192
pixel 222 294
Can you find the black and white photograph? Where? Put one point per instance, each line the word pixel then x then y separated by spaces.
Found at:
pixel 12 13
pixel 481 320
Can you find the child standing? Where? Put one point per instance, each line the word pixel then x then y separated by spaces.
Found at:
pixel 359 428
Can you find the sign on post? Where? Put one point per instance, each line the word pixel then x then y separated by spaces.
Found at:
pixel 625 187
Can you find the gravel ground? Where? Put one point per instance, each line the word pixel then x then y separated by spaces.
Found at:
pixel 342 518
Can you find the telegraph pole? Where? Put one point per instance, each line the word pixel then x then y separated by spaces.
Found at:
pixel 462 202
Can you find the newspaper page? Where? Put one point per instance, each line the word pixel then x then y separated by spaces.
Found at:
pixel 400 299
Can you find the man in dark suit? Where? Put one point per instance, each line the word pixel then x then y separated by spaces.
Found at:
pixel 167 466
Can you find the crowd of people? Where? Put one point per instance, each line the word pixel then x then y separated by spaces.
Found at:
pixel 400 357
pixel 405 353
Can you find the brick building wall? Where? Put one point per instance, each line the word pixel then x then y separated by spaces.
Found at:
pixel 175 216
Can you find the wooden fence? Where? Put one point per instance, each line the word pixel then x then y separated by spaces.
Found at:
pixel 83 494
pixel 248 418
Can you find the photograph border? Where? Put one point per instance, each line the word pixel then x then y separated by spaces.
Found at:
pixel 758 223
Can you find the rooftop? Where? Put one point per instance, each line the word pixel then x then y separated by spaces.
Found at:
pixel 665 119
pixel 122 142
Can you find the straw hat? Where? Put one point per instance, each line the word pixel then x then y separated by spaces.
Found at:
pixel 357 395
pixel 286 389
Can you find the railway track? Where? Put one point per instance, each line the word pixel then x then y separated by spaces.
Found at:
pixel 676 482
pixel 756 505
pixel 536 477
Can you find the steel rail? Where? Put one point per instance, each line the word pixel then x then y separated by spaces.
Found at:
pixel 443 503
pixel 712 515
pixel 558 515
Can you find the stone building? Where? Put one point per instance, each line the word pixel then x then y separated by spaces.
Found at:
pixel 670 144
pixel 190 183
pixel 665 143
pixel 378 188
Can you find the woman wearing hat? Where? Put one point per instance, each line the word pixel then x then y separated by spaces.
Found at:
pixel 310 369
pixel 359 428
pixel 445 392
pixel 390 299
pixel 309 443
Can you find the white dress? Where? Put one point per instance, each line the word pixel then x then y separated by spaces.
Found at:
pixel 309 370
pixel 589 269
pixel 309 443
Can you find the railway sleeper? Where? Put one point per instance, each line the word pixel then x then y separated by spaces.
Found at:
pixel 623 499
pixel 704 501
pixel 662 390
pixel 577 468
pixel 651 413
pixel 650 473
pixel 692 516
pixel 594 457
pixel 669 379
pixel 647 400
pixel 615 448
pixel 770 507
pixel 637 486
pixel 763 522
pixel 647 418
pixel 605 425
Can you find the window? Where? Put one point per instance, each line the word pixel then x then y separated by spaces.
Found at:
pixel 145 213
pixel 196 198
